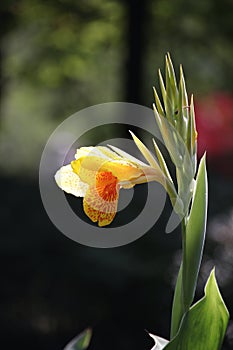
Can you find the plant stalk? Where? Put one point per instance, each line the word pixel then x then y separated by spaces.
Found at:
pixel 179 308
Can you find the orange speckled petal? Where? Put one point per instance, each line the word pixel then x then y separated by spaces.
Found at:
pixel 101 199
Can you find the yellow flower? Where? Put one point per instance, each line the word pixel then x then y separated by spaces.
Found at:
pixel 98 174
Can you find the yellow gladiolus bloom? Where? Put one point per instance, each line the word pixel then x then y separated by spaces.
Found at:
pixel 98 174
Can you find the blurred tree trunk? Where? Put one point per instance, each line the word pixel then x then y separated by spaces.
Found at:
pixel 136 10
pixel 8 22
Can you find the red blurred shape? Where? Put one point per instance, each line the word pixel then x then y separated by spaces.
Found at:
pixel 214 118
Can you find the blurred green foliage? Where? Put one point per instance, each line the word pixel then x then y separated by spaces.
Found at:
pixel 58 57
pixel 198 35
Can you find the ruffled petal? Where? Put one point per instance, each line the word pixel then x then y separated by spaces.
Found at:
pixel 91 160
pixel 86 169
pixel 122 169
pixel 101 199
pixel 93 152
pixel 70 182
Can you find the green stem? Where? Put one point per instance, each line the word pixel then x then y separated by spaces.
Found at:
pixel 178 307
pixel 184 258
pixel 193 237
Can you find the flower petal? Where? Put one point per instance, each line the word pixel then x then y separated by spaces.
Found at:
pixel 89 161
pixel 98 151
pixel 70 182
pixel 87 167
pixel 145 152
pixel 109 153
pixel 101 199
pixel 128 156
pixel 122 169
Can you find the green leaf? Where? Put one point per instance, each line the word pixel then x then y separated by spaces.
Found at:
pixel 162 88
pixel 172 80
pixel 204 325
pixel 184 94
pixel 162 162
pixel 183 108
pixel 146 153
pixel 167 131
pixel 171 88
pixel 166 97
pixel 81 342
pixel 171 190
pixel 158 103
pixel 177 306
pixel 193 135
pixel 195 235
pixel 159 175
pixel 191 140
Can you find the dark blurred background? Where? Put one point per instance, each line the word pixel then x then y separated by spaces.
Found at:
pixel 56 58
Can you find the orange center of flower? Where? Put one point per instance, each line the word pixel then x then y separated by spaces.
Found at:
pixel 106 186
